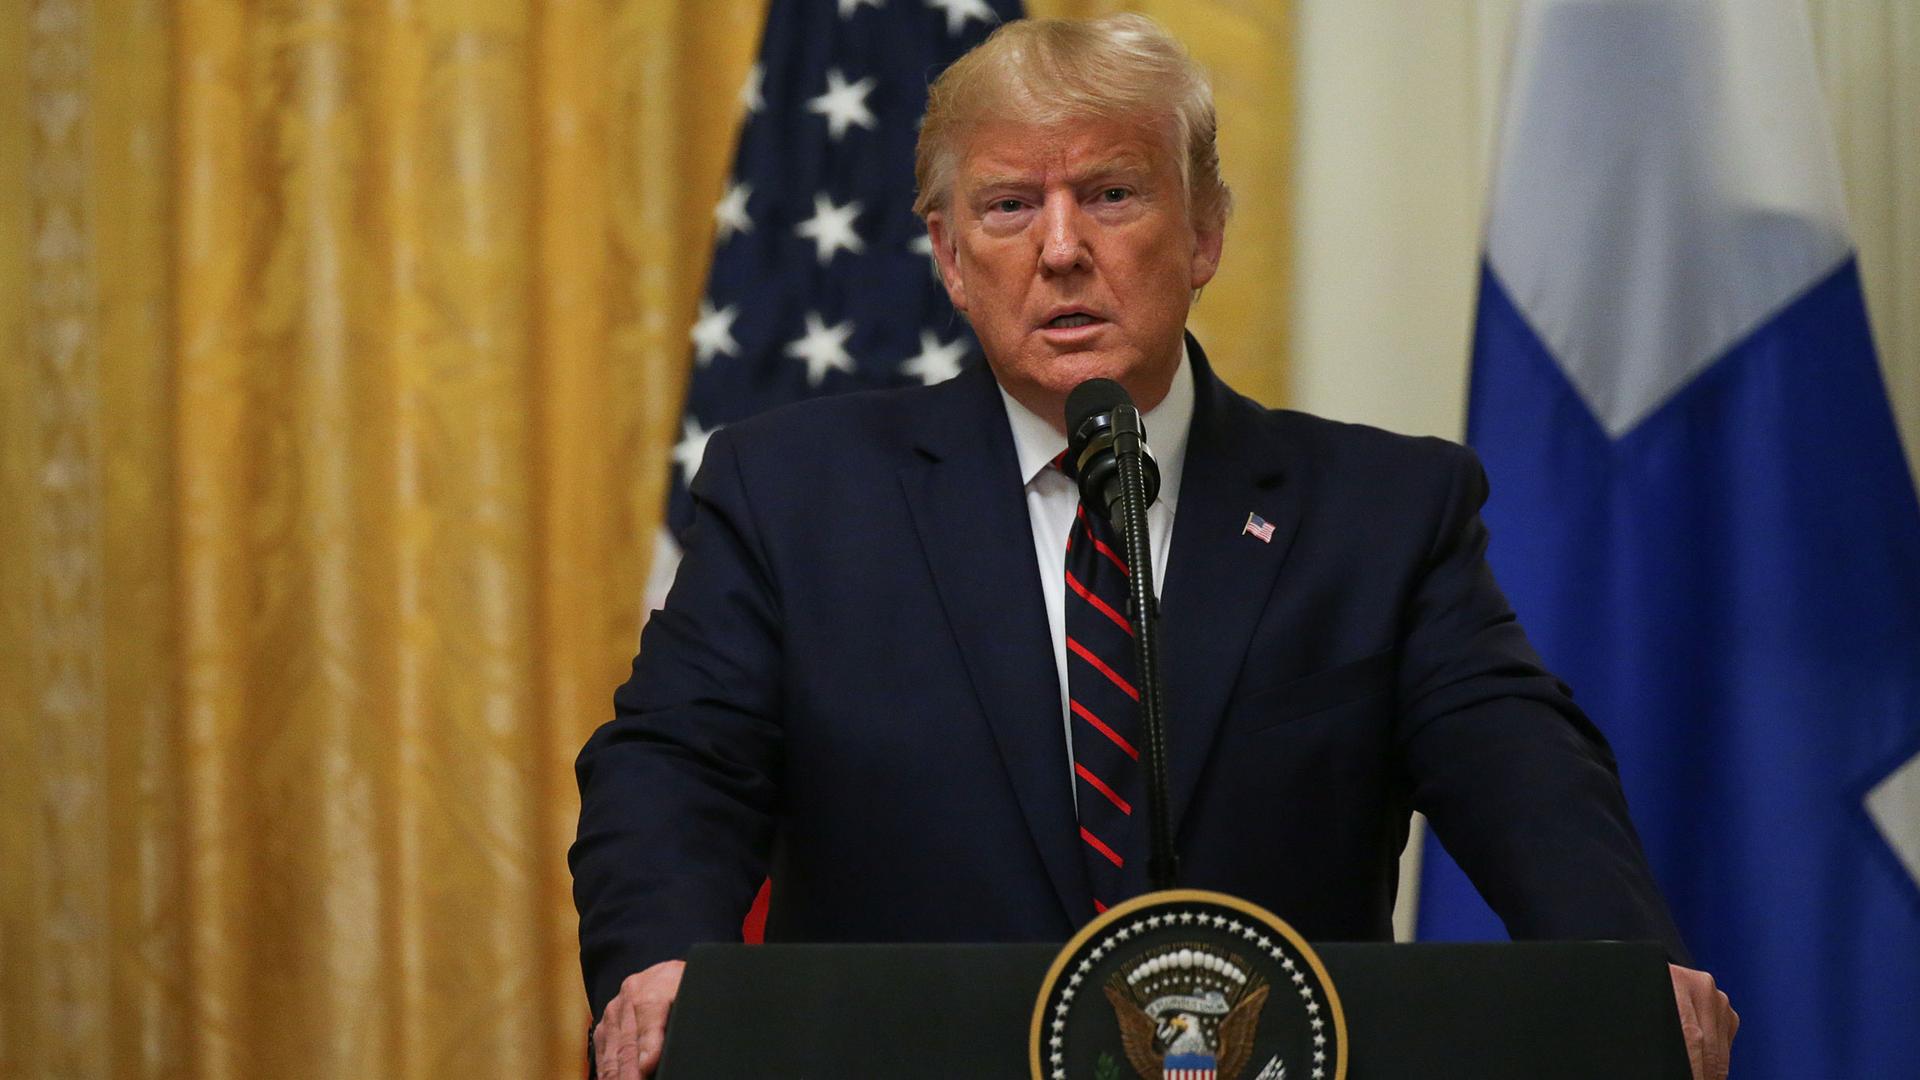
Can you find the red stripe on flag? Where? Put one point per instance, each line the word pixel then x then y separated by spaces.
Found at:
pixel 1086 714
pixel 1085 654
pixel 753 929
pixel 1101 786
pixel 1103 607
pixel 1094 842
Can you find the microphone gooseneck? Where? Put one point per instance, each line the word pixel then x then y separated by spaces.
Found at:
pixel 1108 444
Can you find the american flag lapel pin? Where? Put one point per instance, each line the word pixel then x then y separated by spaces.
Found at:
pixel 1259 527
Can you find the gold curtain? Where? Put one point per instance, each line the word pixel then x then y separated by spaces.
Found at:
pixel 344 344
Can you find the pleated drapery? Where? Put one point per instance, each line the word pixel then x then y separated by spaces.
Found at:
pixel 351 338
pixel 344 347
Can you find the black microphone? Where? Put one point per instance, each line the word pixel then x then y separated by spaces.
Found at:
pixel 1102 424
pixel 1108 444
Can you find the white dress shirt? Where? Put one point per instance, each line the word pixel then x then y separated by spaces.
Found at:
pixel 1052 501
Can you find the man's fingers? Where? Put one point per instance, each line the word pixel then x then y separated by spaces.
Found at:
pixel 1720 1032
pixel 632 1034
pixel 1713 1039
pixel 1716 1029
pixel 650 1020
pixel 1690 1031
pixel 648 1039
pixel 648 1057
pixel 625 1064
pixel 1707 1021
pixel 616 1048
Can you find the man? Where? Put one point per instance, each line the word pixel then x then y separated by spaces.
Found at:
pixel 867 674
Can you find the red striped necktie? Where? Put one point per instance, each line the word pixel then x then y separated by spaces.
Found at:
pixel 1108 779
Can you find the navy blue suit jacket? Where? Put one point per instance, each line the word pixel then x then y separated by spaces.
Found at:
pixel 851 687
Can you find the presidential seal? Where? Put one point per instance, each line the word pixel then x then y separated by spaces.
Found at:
pixel 1188 985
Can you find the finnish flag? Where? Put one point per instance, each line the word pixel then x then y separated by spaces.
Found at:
pixel 1701 510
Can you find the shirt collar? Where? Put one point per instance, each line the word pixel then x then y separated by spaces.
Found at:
pixel 1037 444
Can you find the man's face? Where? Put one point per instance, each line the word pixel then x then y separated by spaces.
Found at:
pixel 1072 253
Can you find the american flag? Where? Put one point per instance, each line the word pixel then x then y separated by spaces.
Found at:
pixel 1260 527
pixel 822 280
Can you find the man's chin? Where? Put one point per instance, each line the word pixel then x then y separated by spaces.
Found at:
pixel 1147 384
pixel 1066 370
pixel 1041 380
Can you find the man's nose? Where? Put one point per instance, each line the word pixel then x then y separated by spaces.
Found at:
pixel 1063 239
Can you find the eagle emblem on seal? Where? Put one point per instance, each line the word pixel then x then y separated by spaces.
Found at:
pixel 1188 1011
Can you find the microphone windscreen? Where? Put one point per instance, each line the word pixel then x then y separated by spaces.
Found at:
pixel 1091 398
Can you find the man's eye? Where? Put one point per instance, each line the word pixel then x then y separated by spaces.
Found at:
pixel 1114 194
pixel 1006 206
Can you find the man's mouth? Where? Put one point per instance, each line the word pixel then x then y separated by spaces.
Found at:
pixel 1062 322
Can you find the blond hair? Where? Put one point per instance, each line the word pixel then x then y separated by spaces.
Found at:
pixel 1049 72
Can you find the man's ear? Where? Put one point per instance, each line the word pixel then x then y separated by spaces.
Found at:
pixel 1207 244
pixel 947 259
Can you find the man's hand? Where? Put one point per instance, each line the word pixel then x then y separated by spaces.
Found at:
pixel 627 1042
pixel 1707 1020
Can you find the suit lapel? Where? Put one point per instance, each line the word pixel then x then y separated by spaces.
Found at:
pixel 963 487
pixel 1219 577
pixel 968 506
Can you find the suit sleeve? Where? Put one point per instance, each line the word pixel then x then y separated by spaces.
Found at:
pixel 1516 781
pixel 677 791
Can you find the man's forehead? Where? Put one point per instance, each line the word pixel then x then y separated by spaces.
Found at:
pixel 1013 151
